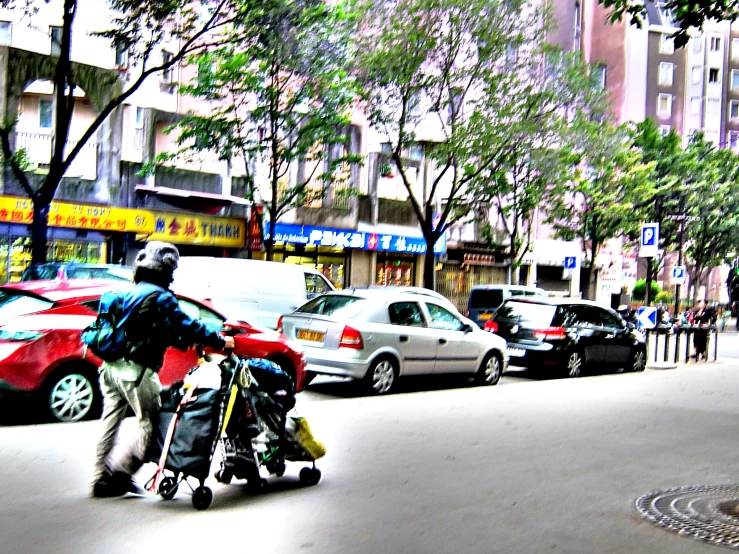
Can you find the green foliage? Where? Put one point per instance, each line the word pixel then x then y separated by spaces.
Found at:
pixel 662 297
pixel 640 288
pixel 281 93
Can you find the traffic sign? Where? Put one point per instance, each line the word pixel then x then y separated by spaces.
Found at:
pixel 649 243
pixel 570 262
pixel 647 316
pixel 678 275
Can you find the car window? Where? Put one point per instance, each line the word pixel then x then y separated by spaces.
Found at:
pixel 483 298
pixel 334 305
pixel 315 285
pixel 590 316
pixel 40 272
pixel 610 320
pixel 524 313
pixel 443 319
pixel 196 311
pixel 18 303
pixel 407 314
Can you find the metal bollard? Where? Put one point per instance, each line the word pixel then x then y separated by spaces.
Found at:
pixel 667 347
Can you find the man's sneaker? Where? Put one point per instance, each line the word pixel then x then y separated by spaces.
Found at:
pixel 126 483
pixel 105 489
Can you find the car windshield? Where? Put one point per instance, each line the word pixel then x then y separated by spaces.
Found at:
pixel 524 313
pixel 110 273
pixel 13 303
pixel 334 305
pixel 482 298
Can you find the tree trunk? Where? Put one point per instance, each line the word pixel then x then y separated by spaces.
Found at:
pixel 269 245
pixel 39 228
pixel 588 270
pixel 429 266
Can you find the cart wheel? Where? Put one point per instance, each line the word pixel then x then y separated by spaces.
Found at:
pixel 201 498
pixel 256 485
pixel 276 468
pixel 168 488
pixel 223 476
pixel 310 476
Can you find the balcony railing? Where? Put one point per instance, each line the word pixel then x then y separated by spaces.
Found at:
pixel 38 151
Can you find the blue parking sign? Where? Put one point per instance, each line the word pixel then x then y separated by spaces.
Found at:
pixel 649 243
pixel 570 262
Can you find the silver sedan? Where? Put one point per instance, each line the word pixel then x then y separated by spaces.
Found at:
pixel 379 335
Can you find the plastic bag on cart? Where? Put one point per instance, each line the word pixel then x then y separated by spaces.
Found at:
pixel 298 431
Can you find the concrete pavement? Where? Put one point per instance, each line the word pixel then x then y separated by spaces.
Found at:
pixel 529 466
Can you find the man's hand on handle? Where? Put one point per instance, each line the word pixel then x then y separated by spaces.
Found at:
pixel 230 343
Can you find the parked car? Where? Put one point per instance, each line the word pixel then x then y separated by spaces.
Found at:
pixel 73 270
pixel 567 335
pixel 380 335
pixel 485 299
pixel 253 290
pixel 41 351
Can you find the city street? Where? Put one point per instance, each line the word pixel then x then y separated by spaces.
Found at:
pixel 526 466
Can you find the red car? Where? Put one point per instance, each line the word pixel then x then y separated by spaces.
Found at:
pixel 41 351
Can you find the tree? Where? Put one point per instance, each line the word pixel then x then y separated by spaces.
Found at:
pixel 140 28
pixel 713 224
pixel 280 95
pixel 686 14
pixel 601 202
pixel 439 74
pixel 539 158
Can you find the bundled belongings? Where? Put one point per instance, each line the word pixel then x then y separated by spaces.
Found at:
pixel 259 433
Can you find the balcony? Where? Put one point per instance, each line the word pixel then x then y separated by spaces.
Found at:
pixel 38 151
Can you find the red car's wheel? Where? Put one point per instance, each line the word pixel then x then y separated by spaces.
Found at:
pixel 72 394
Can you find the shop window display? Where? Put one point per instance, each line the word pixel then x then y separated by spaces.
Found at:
pixel 15 252
pixel 395 271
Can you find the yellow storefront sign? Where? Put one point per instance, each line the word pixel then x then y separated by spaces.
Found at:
pixel 200 230
pixel 181 228
pixel 79 216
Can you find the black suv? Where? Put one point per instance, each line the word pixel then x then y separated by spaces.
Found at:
pixel 567 335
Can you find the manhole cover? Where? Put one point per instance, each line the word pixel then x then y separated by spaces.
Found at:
pixel 706 513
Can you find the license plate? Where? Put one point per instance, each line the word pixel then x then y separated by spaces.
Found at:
pixel 314 336
pixel 485 316
pixel 516 352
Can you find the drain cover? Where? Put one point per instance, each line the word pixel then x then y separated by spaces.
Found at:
pixel 706 513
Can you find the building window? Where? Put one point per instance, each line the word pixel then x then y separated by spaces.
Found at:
pixel 56 40
pixel 733 140
pixel 713 75
pixel 735 78
pixel 665 73
pixel 735 49
pixel 664 130
pixel 734 109
pixel 697 44
pixel 697 75
pixel 713 107
pixel 44 114
pixel 121 57
pixel 6 33
pixel 666 45
pixel 695 105
pixel 578 28
pixel 715 44
pixel 664 105
pixel 168 73
pixel 598 77
pixel 454 104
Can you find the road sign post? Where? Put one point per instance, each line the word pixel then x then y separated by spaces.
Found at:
pixel 647 317
pixel 649 248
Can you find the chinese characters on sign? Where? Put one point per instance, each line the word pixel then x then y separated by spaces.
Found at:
pixel 342 238
pixel 205 231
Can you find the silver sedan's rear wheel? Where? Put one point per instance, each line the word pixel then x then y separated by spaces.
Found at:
pixel 574 364
pixel 490 371
pixel 73 396
pixel 381 376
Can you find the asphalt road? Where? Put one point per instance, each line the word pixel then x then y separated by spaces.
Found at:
pixel 527 466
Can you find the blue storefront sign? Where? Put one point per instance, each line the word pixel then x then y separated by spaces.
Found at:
pixel 359 240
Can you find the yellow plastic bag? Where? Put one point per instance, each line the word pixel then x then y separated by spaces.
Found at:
pixel 306 439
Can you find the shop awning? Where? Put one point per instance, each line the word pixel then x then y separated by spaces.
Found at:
pixel 203 202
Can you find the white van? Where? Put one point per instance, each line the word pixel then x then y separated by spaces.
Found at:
pixel 254 291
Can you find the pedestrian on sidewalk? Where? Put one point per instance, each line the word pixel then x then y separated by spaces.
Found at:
pixel 701 321
pixel 155 323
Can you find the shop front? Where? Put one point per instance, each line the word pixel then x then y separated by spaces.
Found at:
pixel 107 234
pixel 354 257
